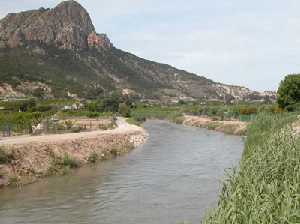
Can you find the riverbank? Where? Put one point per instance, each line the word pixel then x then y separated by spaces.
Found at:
pixel 265 189
pixel 25 159
pixel 233 127
pixel 212 119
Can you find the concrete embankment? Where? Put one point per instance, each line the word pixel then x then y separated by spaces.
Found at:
pixel 227 127
pixel 28 158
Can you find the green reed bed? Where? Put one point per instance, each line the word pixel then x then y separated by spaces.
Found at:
pixel 266 186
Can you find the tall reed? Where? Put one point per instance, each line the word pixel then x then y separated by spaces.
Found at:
pixel 266 186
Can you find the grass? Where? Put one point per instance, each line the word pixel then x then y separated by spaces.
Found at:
pixel 70 162
pixel 63 164
pixel 266 187
pixel 134 121
pixel 213 126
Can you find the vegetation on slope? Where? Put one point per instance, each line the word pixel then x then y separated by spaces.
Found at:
pixel 265 188
pixel 91 74
pixel 62 70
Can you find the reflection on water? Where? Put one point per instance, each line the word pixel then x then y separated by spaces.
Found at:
pixel 174 177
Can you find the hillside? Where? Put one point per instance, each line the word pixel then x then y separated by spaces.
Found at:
pixel 57 52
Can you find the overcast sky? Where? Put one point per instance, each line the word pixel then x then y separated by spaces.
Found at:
pixel 250 43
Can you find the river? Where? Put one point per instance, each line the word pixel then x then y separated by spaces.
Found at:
pixel 175 177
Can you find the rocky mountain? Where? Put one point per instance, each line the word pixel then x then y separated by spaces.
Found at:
pixel 57 52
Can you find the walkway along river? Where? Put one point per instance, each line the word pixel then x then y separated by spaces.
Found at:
pixel 175 177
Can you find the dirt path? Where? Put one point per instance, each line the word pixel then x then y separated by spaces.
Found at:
pixel 122 128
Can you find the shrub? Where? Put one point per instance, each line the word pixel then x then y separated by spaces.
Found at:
pixel 5 157
pixel 93 157
pixel 69 124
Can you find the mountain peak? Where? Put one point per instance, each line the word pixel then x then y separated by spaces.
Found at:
pixel 72 9
pixel 67 26
pixel 69 3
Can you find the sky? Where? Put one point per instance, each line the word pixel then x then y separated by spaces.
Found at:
pixel 250 43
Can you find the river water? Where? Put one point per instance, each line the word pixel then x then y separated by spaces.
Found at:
pixel 175 177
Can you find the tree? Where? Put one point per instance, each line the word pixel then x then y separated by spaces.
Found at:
pixel 289 92
pixel 111 103
pixel 27 105
pixel 124 110
pixel 94 107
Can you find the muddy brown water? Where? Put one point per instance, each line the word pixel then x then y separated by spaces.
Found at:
pixel 175 177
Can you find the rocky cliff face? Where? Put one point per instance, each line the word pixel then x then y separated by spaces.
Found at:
pixel 60 49
pixel 67 26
